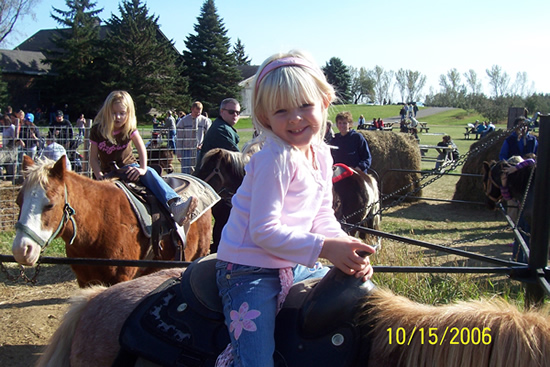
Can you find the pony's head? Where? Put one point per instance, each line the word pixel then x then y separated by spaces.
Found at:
pixel 491 172
pixel 223 169
pixel 41 206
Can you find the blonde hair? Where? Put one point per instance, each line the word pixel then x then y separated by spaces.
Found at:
pixel 105 117
pixel 290 85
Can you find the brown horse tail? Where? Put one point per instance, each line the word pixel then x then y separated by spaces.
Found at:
pixel 58 351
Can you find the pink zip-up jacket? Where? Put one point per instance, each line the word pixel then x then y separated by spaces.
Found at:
pixel 282 212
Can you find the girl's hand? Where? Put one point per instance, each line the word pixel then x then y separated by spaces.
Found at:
pixel 133 173
pixel 342 253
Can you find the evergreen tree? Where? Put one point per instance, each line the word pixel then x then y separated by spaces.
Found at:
pixel 339 76
pixel 240 55
pixel 209 62
pixel 3 91
pixel 142 62
pixel 76 76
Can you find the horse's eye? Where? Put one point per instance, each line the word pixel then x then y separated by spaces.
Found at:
pixel 48 207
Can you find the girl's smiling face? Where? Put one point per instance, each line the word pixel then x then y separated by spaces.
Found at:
pixel 120 114
pixel 299 125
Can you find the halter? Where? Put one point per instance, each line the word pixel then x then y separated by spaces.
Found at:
pixel 493 183
pixel 68 213
pixel 217 172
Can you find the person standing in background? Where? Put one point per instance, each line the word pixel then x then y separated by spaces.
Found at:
pixel 170 126
pixel 190 132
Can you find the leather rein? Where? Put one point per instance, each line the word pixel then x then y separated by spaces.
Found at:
pixel 68 213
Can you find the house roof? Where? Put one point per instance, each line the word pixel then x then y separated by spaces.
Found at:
pixel 247 70
pixel 23 62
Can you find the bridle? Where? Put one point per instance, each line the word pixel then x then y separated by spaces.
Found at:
pixel 68 213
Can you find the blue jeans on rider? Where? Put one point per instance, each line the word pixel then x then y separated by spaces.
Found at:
pixel 249 297
pixel 162 191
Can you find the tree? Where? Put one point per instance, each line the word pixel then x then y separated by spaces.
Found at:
pixel 382 83
pixel 241 57
pixel 338 75
pixel 415 83
pixel 520 87
pixel 76 75
pixel 11 11
pixel 3 91
pixel 401 79
pixel 498 80
pixel 146 64
pixel 209 63
pixel 361 85
pixel 452 88
pixel 473 82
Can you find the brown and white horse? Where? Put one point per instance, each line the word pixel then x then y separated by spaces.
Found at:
pixel 95 220
pixel 395 331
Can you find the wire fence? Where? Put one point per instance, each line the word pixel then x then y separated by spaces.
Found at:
pixel 161 154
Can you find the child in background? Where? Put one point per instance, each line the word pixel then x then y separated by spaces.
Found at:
pixel 114 130
pixel 282 213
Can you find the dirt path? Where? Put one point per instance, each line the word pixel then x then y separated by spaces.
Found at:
pixel 30 314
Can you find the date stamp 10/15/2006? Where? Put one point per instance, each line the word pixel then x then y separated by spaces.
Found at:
pixel 436 336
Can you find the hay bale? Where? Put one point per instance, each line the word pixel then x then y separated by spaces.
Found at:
pixel 471 188
pixel 392 150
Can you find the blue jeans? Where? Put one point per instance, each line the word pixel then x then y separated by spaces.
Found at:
pixel 172 140
pixel 162 191
pixel 188 160
pixel 249 297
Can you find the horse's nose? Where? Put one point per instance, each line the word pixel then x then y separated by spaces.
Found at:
pixel 25 251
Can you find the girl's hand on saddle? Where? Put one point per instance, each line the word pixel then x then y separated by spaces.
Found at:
pixel 133 173
pixel 342 252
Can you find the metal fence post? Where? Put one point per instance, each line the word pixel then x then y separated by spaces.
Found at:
pixel 540 227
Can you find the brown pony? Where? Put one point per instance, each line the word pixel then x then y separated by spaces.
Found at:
pixel 397 331
pixel 95 220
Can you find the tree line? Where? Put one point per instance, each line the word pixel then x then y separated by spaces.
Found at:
pixel 361 85
pixel 133 55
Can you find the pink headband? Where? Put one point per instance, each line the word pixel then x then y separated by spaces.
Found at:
pixel 285 61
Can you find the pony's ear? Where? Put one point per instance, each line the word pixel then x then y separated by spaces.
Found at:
pixel 59 167
pixel 27 162
pixel 486 166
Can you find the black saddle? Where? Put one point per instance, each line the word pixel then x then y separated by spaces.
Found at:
pixel 181 322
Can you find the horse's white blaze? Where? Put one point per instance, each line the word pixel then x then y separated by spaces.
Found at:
pixel 25 250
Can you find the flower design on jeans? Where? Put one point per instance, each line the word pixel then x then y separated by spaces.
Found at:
pixel 243 320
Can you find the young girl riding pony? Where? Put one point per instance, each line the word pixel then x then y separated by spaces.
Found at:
pixel 282 219
pixel 114 129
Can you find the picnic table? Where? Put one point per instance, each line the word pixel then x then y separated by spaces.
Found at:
pixel 423 126
pixel 424 149
pixel 470 129
pixel 388 126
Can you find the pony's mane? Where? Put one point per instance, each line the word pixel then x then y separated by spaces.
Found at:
pixel 517 338
pixel 38 173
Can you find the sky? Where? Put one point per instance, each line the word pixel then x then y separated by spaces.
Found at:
pixel 428 36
